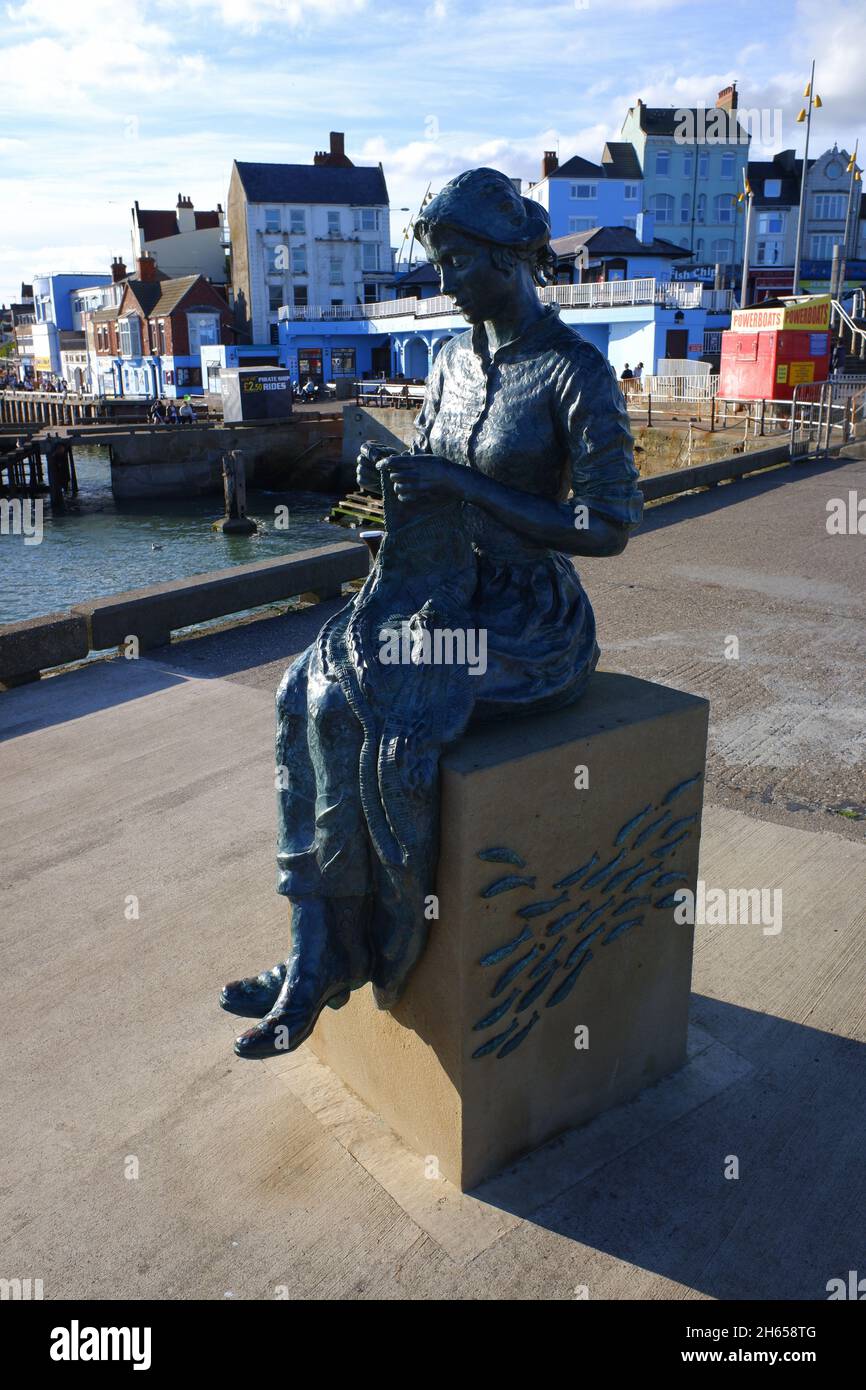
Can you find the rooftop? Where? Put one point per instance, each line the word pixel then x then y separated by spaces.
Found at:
pixel 361 186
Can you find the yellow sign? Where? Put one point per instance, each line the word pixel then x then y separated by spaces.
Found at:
pixel 801 372
pixel 782 372
pixel 810 313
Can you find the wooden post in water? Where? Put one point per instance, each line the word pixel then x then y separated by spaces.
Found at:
pixel 235 522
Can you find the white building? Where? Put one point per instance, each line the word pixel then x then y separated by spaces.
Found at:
pixel 304 235
pixel 181 240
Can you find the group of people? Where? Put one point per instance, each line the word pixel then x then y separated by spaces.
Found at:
pixel 168 413
pixel 631 377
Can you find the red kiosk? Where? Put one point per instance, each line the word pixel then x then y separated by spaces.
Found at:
pixel 775 346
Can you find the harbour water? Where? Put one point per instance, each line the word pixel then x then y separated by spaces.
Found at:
pixel 101 547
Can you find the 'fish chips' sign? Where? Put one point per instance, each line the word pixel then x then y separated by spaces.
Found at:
pixel 812 314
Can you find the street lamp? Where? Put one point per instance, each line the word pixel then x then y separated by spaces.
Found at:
pixel 805 115
pixel 747 197
pixel 855 180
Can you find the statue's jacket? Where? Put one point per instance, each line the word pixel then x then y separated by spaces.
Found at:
pixel 358 735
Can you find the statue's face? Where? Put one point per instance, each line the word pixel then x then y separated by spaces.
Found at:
pixel 467 273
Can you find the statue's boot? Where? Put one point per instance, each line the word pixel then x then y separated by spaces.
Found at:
pixel 330 957
pixel 256 995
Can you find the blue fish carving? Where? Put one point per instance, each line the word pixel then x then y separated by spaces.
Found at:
pixel 576 873
pixel 669 878
pixel 676 824
pixel 670 901
pixel 495 1014
pixel 494 957
pixel 493 1043
pixel 513 970
pixel 650 830
pixel 502 856
pixel 641 878
pixel 620 928
pixel 598 912
pixel 541 984
pixel 670 845
pixel 518 1037
pixel 629 826
pixel 567 918
pixel 679 788
pixel 620 875
pixel 542 964
pixel 538 909
pixel 601 873
pixel 568 983
pixel 505 885
pixel 629 904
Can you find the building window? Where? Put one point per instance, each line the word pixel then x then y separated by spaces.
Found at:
pixel 822 246
pixel 275 297
pixel 371 294
pixel 130 336
pixel 829 207
pixel 699 250
pixel 297 220
pixel 630 192
pixel 333 223
pixel 772 188
pixel 581 224
pixel 274 332
pixel 272 219
pixel 704 164
pixel 335 275
pixel 722 251
pixel 366 219
pixel 662 205
pixel 663 163
pixel 203 330
pixel 688 163
pixel 723 207
pixel 370 255
pixel 584 190
pixel 342 362
pixel 299 296
pixel 277 257
pixel 728 166
pixel 770 222
pixel 712 340
pixel 299 260
pixel 768 251
pixel 685 207
pixel 701 208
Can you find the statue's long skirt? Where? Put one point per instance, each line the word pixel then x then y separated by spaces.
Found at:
pixel 359 738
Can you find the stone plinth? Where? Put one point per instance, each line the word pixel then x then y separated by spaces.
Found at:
pixel 556 916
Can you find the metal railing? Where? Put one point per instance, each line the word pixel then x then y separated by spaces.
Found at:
pixel 605 294
pixel 842 320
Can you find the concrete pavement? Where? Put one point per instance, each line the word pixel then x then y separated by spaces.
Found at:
pixel 143 1159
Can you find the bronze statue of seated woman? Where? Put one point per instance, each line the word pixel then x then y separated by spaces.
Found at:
pixel 522 458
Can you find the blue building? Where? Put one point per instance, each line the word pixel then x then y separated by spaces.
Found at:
pixel 52 300
pixel 580 195
pixel 629 320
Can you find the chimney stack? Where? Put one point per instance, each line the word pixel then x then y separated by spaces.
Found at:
pixel 549 163
pixel 146 268
pixel 184 214
pixel 336 156
pixel 644 228
pixel 727 98
pixel 118 270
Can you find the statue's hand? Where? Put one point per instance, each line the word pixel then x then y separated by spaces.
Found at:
pixel 427 478
pixel 370 459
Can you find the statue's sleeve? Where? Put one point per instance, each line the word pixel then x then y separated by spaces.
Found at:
pixel 593 423
pixel 427 414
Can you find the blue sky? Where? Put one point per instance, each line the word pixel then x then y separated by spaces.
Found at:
pixel 106 101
